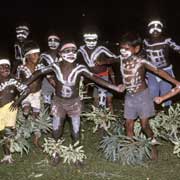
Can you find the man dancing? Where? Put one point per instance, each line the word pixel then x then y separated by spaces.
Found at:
pixel 157 47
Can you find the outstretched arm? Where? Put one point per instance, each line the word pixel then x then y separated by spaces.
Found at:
pixel 107 61
pixel 173 92
pixel 161 73
pixel 17 102
pixel 42 72
pixel 102 82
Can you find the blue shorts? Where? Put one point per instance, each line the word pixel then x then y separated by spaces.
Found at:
pixel 139 105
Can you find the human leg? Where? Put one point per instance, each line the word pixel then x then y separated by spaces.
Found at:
pixel 6 134
pixel 149 133
pixel 110 103
pixel 129 126
pixel 75 122
pixel 166 86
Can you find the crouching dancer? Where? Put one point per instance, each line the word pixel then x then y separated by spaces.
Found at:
pixel 9 88
pixel 66 80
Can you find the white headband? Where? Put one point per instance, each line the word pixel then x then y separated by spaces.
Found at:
pixel 155 22
pixel 32 51
pixel 68 45
pixel 22 27
pixel 5 61
pixel 53 37
pixel 92 36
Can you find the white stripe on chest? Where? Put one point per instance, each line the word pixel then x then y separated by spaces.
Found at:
pixel 71 80
pixel 90 59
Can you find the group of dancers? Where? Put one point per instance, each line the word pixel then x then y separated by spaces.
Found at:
pixel 55 74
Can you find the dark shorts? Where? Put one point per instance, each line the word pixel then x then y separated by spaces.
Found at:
pixel 139 105
pixel 62 107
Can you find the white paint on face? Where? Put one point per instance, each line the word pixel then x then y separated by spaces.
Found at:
pixel 21 34
pixel 91 43
pixel 69 55
pixel 90 40
pixel 53 43
pixel 155 26
pixel 125 53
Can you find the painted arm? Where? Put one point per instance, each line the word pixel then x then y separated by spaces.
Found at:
pixel 173 45
pixel 38 74
pixel 17 102
pixel 173 92
pixel 102 82
pixel 160 73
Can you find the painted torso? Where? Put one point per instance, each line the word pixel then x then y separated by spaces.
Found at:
pixel 133 73
pixel 157 52
pixel 90 56
pixel 9 89
pixel 67 79
pixel 23 73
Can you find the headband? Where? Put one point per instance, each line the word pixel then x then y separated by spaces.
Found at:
pixel 93 36
pixel 5 61
pixel 155 22
pixel 68 45
pixel 22 27
pixel 53 37
pixel 32 51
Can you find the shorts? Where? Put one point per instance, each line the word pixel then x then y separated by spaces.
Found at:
pixel 139 105
pixel 33 99
pixel 7 117
pixel 62 107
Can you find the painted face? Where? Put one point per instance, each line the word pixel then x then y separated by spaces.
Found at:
pixel 22 33
pixel 91 40
pixel 4 70
pixel 155 28
pixel 126 51
pixel 53 43
pixel 69 54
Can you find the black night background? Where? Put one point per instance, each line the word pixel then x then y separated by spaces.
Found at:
pixel 68 18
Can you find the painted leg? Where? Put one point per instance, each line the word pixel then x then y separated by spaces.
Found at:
pixel 58 124
pixel 75 121
pixel 6 146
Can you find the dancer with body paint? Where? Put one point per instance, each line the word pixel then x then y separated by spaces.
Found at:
pixel 157 47
pixel 87 55
pixel 32 102
pixel 10 88
pixel 47 88
pixel 67 74
pixel 22 33
pixel 138 102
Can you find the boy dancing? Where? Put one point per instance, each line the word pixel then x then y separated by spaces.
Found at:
pixel 66 79
pixel 9 89
pixel 138 101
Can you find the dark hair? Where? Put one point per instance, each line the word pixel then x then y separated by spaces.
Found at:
pixel 132 39
pixel 29 45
